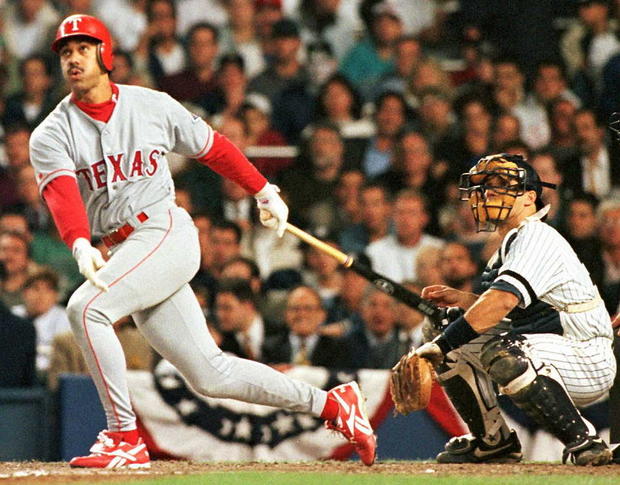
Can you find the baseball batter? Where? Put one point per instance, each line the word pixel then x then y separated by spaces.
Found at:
pixel 100 166
pixel 540 331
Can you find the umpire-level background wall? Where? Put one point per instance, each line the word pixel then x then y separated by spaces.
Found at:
pixel 27 433
pixel 35 425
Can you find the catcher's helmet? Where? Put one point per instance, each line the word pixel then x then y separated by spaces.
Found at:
pixel 506 177
pixel 88 26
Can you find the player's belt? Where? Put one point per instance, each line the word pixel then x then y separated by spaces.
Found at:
pixel 581 307
pixel 123 232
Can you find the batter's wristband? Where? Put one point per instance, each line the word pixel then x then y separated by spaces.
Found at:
pixel 458 333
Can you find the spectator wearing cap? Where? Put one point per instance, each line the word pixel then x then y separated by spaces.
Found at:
pixel 198 79
pixel 239 35
pixel 256 114
pixel 373 56
pixel 285 66
pixel 285 82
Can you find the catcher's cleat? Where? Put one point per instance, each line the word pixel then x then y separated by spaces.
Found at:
pixel 592 452
pixel 110 452
pixel 469 449
pixel 616 455
pixel 352 421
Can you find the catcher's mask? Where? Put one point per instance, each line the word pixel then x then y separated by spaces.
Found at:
pixel 493 184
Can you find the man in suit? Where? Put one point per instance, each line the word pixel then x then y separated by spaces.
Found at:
pixel 302 344
pixel 376 344
pixel 595 169
pixel 241 325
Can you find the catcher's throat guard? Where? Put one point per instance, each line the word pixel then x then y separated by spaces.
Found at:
pixel 491 187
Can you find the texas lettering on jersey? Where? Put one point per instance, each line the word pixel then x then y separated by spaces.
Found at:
pixel 141 163
pixel 119 165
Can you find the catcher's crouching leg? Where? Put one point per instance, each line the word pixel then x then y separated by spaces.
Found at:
pixel 472 395
pixel 542 398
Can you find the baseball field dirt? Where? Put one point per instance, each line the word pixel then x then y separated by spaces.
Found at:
pixel 42 473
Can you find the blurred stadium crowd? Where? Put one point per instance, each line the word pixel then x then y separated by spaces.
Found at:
pixel 364 112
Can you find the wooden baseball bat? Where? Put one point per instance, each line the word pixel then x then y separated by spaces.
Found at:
pixel 384 283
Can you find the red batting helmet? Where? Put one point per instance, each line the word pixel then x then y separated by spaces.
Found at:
pixel 88 26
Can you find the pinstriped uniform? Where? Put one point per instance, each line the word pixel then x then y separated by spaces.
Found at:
pixel 535 263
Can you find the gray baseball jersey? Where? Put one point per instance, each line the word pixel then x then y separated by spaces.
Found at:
pixel 119 165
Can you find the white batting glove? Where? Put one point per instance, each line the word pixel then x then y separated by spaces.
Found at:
pixel 89 260
pixel 273 210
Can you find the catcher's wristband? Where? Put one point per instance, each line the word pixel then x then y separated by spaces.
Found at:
pixel 458 333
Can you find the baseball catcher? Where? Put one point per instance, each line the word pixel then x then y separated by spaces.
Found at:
pixel 539 332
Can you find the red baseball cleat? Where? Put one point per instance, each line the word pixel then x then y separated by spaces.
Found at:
pixel 352 421
pixel 110 452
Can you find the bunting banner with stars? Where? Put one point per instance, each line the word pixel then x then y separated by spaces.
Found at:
pixel 177 423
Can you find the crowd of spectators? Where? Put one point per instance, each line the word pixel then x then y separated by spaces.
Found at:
pixel 364 112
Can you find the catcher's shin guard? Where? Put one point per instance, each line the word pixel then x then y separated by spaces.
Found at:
pixel 543 399
pixel 473 396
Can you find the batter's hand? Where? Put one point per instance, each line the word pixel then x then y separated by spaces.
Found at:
pixel 89 260
pixel 273 210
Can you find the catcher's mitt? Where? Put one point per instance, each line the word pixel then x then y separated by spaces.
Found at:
pixel 411 382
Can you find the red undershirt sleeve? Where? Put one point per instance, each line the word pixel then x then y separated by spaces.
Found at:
pixel 227 160
pixel 67 208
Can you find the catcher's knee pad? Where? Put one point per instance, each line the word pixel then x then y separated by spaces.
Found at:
pixel 507 364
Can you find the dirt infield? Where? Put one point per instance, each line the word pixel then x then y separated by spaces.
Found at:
pixel 37 472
